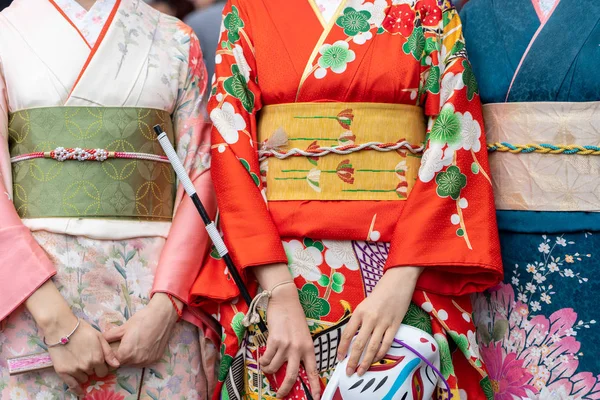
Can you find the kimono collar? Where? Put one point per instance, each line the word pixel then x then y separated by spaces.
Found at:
pixel 89 23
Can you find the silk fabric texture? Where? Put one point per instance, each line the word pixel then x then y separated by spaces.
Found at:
pixel 537 329
pixel 394 55
pixel 46 62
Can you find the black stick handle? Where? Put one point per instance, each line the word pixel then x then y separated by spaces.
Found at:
pixel 209 224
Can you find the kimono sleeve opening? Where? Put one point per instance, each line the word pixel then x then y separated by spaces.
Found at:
pixel 248 229
pixel 448 225
pixel 188 242
pixel 24 266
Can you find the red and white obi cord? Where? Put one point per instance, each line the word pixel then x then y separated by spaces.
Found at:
pixel 340 150
pixel 77 154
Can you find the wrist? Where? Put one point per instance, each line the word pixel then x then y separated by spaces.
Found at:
pixel 170 305
pixel 50 310
pixel 411 274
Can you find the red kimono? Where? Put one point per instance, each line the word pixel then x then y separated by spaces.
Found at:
pixel 343 209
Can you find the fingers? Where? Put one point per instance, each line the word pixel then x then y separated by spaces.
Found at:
pixel 101 370
pixel 358 346
pixel 270 351
pixel 276 362
pixel 115 334
pixel 310 365
pixel 371 350
pixel 81 377
pixel 72 384
pixel 348 335
pixel 291 376
pixel 109 354
pixel 386 343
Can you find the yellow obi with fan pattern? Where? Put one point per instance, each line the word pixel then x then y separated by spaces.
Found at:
pixel 380 146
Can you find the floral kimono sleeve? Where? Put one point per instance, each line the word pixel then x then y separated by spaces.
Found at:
pixel 188 241
pixel 448 225
pixel 248 229
pixel 18 249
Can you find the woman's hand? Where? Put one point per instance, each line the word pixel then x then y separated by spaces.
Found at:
pixel 144 337
pixel 289 338
pixel 86 353
pixel 378 318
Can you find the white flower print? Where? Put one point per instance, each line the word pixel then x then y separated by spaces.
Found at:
pixel 536 351
pixel 531 269
pixel 552 267
pixel 242 63
pixel 570 332
pixel 303 261
pixel 71 259
pixel 451 84
pixel 515 280
pixel 340 253
pixel 535 306
pixel 96 386
pixel 228 122
pixel 546 298
pixel 18 394
pixel 561 242
pixel 378 12
pixel 568 273
pixel 434 159
pixel 362 37
pixel 539 278
pixel 522 297
pixel 44 395
pixel 531 287
pixel 155 382
pixel 544 248
pixel 139 279
pixel 471 132
pixel 473 346
pixel 376 9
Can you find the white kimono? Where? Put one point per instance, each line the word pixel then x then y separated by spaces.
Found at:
pixel 120 54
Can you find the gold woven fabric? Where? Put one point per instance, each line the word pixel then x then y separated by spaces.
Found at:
pixel 361 175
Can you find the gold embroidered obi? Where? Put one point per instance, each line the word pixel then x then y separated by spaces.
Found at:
pixel 340 151
pixel 91 162
pixel 544 158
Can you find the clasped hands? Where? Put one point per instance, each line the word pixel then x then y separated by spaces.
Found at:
pixel 143 340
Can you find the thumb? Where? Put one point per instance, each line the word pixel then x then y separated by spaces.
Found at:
pixel 115 334
pixel 109 354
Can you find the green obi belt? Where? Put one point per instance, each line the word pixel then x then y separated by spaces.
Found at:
pixel 91 162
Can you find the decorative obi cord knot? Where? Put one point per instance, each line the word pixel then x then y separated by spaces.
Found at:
pixel 108 163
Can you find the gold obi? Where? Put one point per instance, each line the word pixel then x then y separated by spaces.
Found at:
pixel 359 130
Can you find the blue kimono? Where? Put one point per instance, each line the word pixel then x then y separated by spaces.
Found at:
pixel 537 65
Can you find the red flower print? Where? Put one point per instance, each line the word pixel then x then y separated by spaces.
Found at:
pixel 185 28
pixel 345 171
pixel 96 384
pixel 105 395
pixel 345 118
pixel 430 12
pixel 400 19
pixel 312 147
pixel 196 63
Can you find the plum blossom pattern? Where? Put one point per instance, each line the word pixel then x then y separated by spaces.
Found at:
pixel 228 122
